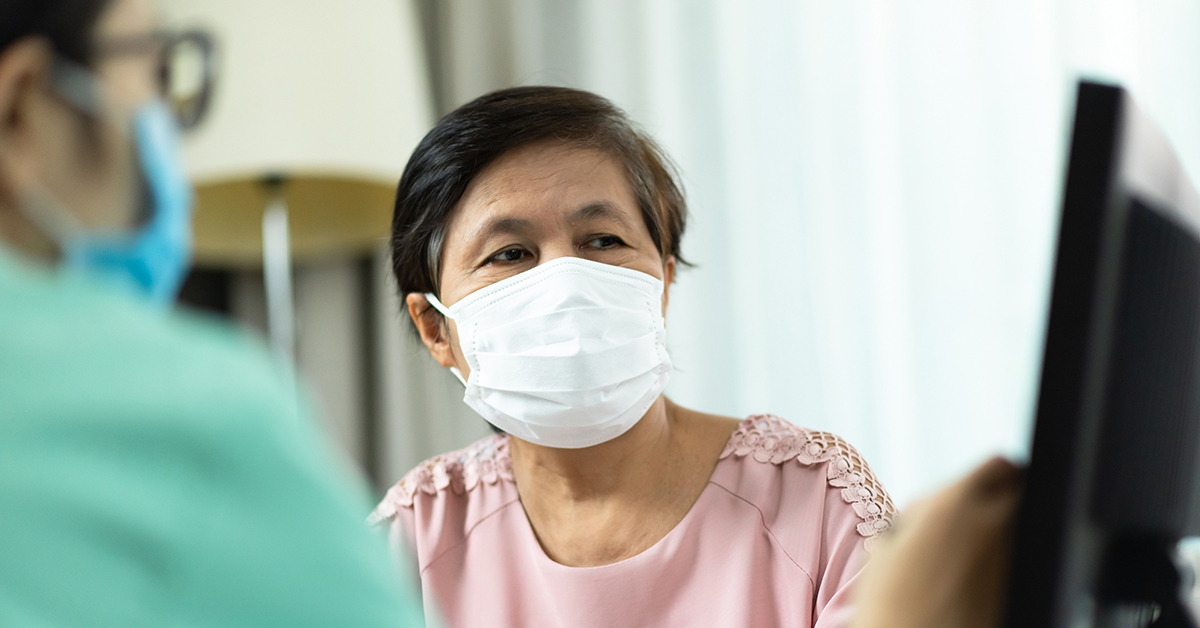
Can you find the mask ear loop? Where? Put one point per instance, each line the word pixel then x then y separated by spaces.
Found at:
pixel 437 305
pixel 75 85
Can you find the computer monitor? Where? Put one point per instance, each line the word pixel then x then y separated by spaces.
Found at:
pixel 1113 482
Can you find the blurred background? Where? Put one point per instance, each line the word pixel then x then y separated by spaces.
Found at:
pixel 873 186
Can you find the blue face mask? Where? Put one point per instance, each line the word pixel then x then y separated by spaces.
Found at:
pixel 153 257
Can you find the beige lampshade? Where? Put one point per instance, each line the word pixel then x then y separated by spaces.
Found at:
pixel 332 95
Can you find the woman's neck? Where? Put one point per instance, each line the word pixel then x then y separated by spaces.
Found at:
pixel 601 504
pixel 596 472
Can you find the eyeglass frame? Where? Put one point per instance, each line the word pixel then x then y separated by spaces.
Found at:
pixel 79 86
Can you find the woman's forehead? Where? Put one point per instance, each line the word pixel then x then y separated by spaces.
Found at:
pixel 544 182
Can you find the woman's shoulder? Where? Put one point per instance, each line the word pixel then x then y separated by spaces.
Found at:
pixel 782 469
pixel 457 475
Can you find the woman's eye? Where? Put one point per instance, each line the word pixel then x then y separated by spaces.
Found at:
pixel 508 255
pixel 605 242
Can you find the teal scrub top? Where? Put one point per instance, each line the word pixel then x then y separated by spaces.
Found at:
pixel 156 470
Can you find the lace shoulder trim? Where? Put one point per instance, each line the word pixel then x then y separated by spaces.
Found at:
pixel 770 439
pixel 766 438
pixel 485 461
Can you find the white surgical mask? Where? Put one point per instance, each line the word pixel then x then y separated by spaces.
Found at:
pixel 569 354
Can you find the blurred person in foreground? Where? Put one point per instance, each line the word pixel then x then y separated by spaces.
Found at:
pixel 155 468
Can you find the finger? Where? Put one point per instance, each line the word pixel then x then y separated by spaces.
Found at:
pixel 996 475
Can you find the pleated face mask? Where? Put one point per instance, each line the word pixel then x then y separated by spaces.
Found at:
pixel 569 354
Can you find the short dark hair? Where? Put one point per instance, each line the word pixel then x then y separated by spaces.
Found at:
pixel 68 24
pixel 472 136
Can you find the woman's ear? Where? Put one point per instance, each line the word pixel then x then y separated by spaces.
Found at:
pixel 430 324
pixel 23 67
pixel 668 279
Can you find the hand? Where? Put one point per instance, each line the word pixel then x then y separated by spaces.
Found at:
pixel 946 563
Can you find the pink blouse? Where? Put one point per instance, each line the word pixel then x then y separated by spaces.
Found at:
pixel 775 539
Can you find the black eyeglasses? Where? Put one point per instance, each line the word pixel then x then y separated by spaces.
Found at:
pixel 185 72
pixel 185 68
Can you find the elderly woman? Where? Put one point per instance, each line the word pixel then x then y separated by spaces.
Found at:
pixel 535 240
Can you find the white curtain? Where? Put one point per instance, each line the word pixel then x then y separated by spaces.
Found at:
pixel 874 189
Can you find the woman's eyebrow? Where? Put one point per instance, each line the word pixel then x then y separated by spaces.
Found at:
pixel 500 225
pixel 505 225
pixel 598 210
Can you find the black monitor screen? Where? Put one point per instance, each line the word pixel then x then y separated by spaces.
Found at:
pixel 1112 483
